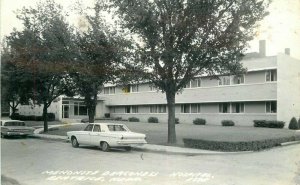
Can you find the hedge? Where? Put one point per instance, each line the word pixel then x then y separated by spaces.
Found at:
pixel 268 123
pixel 16 116
pixel 227 123
pixel 237 146
pixel 133 119
pixel 152 120
pixel 199 121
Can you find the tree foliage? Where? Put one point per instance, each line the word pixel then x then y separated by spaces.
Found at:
pixel 98 55
pixel 181 39
pixel 44 48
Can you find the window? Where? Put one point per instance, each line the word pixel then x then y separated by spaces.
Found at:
pixel 224 107
pixel 80 109
pixel 195 108
pixel 109 90
pixel 196 83
pixel 126 89
pixel 238 79
pixel 238 107
pixel 127 109
pixel 185 108
pixel 135 109
pixel 135 88
pixel 97 128
pixel 89 127
pixel 152 87
pixel 224 80
pixel 113 109
pixel 116 128
pixel 271 75
pixel 158 109
pixel 106 90
pixel 188 85
pixel 271 107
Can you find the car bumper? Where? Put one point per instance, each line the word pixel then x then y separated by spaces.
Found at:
pixel 12 133
pixel 130 143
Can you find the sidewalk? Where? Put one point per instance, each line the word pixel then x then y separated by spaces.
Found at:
pixel 145 147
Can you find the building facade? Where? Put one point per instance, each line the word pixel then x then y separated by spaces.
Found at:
pixel 270 90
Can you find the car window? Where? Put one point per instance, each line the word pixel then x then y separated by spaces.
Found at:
pixel 116 128
pixel 89 127
pixel 97 128
pixel 16 123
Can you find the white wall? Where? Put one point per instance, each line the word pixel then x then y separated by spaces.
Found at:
pixel 288 88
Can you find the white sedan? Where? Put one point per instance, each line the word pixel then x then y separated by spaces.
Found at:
pixel 106 135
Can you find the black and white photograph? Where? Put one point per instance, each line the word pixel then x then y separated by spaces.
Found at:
pixel 150 92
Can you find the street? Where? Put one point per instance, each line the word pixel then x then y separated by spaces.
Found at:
pixel 33 161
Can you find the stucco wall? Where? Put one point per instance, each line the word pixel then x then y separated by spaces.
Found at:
pixel 288 87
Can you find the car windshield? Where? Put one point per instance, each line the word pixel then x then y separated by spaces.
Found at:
pixel 14 123
pixel 116 128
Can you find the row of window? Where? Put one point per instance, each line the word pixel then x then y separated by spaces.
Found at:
pixel 271 75
pixel 237 107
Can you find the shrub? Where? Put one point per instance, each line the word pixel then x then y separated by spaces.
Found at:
pixel 299 123
pixel 275 124
pixel 107 115
pixel 268 124
pixel 199 121
pixel 118 118
pixel 227 123
pixel 237 146
pixel 51 116
pixel 15 116
pixel 176 120
pixel 260 123
pixel 133 119
pixel 293 124
pixel 152 120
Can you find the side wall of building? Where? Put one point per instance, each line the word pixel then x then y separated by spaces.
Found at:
pixel 288 88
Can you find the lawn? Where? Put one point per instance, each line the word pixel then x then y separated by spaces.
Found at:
pixel 157 132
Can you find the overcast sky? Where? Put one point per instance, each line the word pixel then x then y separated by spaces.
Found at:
pixel 281 29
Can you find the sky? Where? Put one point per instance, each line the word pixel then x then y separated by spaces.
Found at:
pixel 280 29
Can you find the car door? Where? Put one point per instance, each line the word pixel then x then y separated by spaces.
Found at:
pixel 85 137
pixel 96 135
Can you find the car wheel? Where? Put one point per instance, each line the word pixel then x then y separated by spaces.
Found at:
pixel 75 143
pixel 128 148
pixel 105 146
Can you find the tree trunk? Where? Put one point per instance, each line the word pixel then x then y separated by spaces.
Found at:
pixel 45 117
pixel 13 107
pixel 171 117
pixel 92 107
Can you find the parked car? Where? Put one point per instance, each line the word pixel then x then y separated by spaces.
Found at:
pixel 106 135
pixel 15 128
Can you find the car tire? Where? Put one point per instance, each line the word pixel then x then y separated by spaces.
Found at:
pixel 105 146
pixel 74 142
pixel 128 148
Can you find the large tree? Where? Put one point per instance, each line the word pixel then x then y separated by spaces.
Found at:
pixel 181 39
pixel 98 54
pixel 16 83
pixel 45 48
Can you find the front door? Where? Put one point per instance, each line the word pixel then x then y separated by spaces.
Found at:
pixel 65 111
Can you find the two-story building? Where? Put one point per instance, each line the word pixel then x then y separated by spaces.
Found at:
pixel 270 90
